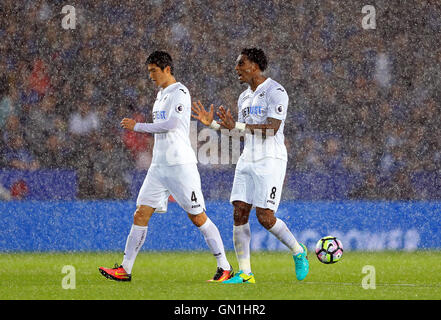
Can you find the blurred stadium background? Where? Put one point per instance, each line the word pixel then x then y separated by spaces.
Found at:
pixel 363 126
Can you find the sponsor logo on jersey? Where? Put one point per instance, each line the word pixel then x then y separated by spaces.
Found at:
pixel 159 115
pixel 253 110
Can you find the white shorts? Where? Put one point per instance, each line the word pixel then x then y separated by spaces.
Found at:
pixel 181 181
pixel 259 183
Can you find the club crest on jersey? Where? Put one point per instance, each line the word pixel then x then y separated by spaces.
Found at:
pixel 179 108
pixel 159 115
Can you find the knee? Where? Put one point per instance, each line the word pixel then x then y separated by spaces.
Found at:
pixel 266 217
pixel 241 212
pixel 198 219
pixel 142 215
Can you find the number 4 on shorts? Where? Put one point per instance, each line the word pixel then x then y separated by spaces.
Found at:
pixel 193 197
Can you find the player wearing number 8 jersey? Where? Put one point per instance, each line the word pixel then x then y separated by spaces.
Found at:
pixel 261 168
pixel 173 171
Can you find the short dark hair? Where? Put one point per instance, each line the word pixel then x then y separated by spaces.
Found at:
pixel 256 55
pixel 162 59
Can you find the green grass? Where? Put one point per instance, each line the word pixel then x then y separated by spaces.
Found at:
pixel 182 275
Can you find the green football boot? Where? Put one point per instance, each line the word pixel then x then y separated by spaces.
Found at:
pixel 241 277
pixel 301 263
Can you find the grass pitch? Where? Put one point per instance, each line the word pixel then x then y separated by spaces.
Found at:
pixel 183 275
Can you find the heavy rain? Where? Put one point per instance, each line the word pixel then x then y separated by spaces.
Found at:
pixel 361 130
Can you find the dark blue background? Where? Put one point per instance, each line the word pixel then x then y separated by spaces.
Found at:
pixel 104 225
pixel 306 186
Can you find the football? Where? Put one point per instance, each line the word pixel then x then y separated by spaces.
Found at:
pixel 329 250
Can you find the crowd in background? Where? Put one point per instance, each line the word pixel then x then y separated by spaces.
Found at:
pixel 366 102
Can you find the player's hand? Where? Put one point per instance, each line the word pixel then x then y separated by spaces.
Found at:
pixel 227 120
pixel 204 116
pixel 127 123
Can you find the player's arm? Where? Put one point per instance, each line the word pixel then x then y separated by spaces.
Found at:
pixel 272 126
pixel 227 120
pixel 157 127
pixel 175 111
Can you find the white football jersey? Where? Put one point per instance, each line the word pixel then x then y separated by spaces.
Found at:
pixel 173 147
pixel 270 100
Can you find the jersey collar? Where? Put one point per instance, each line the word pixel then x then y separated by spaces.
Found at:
pixel 260 86
pixel 169 88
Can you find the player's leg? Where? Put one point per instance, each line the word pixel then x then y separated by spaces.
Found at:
pixel 241 240
pixel 142 215
pixel 241 198
pixel 134 242
pixel 278 228
pixel 151 195
pixel 137 235
pixel 242 235
pixel 269 177
pixel 184 184
pixel 212 237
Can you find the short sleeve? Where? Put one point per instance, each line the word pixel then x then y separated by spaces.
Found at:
pixel 180 103
pixel 277 103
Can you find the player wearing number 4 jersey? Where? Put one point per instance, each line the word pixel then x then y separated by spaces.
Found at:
pixel 173 171
pixel 261 168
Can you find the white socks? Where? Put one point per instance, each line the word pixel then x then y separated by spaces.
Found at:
pixel 134 242
pixel 241 239
pixel 214 241
pixel 281 231
pixel 211 234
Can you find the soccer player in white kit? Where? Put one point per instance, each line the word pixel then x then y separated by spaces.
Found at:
pixel 173 171
pixel 261 168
